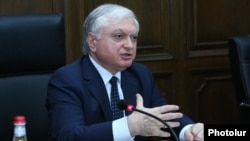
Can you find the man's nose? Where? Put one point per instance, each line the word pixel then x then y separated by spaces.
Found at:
pixel 129 43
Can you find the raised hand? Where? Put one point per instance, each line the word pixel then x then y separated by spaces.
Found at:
pixel 140 124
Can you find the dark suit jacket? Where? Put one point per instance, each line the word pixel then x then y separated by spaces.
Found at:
pixel 78 104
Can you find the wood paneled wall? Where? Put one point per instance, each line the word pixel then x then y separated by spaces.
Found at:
pixel 207 27
pixel 183 42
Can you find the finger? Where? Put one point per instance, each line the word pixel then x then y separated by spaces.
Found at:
pixel 197 128
pixel 173 124
pixel 196 132
pixel 139 101
pixel 199 135
pixel 167 108
pixel 160 133
pixel 164 134
pixel 171 116
pixel 188 135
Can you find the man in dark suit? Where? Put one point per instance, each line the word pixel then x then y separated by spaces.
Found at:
pixel 79 97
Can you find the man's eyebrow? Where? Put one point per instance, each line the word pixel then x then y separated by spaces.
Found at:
pixel 120 30
pixel 135 33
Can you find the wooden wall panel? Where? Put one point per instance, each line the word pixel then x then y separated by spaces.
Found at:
pixel 165 83
pixel 30 6
pixel 211 23
pixel 183 42
pixel 73 28
pixel 211 91
pixel 208 26
pixel 213 98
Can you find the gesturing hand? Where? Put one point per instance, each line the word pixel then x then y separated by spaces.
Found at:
pixel 195 132
pixel 140 124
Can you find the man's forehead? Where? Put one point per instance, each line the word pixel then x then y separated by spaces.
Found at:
pixel 120 28
pixel 123 30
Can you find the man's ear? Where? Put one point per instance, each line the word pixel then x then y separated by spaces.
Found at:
pixel 92 41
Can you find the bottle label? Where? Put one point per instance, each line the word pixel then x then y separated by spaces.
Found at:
pixel 19 131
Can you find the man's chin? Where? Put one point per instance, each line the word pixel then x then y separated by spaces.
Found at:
pixel 126 65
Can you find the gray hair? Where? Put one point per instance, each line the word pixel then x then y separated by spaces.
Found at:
pixel 100 17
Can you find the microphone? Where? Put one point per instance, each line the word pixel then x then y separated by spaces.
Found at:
pixel 122 105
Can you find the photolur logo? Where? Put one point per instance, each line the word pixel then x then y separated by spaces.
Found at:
pixel 226 132
pixel 235 132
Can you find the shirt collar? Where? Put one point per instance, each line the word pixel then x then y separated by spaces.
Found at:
pixel 105 74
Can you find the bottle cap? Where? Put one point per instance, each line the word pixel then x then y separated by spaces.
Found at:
pixel 20 119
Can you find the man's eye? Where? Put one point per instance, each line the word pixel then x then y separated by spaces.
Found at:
pixel 118 36
pixel 134 38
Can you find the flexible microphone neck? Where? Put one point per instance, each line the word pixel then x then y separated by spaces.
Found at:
pixel 122 104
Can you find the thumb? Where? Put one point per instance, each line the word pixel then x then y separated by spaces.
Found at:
pixel 139 101
pixel 188 135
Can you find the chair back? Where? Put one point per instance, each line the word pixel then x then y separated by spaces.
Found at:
pixel 239 56
pixel 32 47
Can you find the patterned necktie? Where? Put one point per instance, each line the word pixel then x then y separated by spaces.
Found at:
pixel 117 113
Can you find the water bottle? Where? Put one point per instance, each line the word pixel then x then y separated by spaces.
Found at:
pixel 19 128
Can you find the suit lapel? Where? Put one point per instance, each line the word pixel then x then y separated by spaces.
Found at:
pixel 97 87
pixel 129 88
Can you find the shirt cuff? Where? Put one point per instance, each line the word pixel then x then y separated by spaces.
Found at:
pixel 120 130
pixel 183 130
